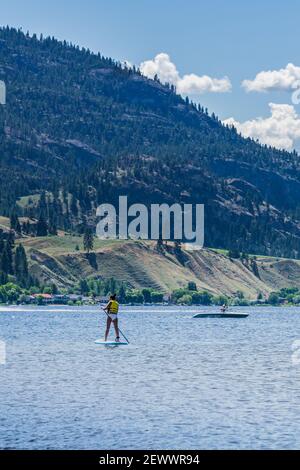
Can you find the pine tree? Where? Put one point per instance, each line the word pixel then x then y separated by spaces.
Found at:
pixel 122 294
pixel 21 266
pixel 159 245
pixel 14 223
pixel 42 207
pixel 54 289
pixel 177 248
pixel 255 268
pixel 11 239
pixel 41 227
pixel 84 287
pixel 6 265
pixel 112 285
pixel 73 206
pixel 88 240
pixel 3 278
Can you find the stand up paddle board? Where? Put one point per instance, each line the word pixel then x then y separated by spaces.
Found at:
pixel 221 315
pixel 110 343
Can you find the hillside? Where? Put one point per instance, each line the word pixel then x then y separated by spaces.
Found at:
pixel 86 129
pixel 139 264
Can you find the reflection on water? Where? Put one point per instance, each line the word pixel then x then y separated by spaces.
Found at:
pixel 182 383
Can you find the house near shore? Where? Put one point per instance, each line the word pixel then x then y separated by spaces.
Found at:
pixel 63 299
pixel 47 298
pixel 52 298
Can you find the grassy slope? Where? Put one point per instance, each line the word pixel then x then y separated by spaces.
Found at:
pixel 4 223
pixel 138 263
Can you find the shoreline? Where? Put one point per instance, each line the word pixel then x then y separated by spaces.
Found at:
pixel 151 305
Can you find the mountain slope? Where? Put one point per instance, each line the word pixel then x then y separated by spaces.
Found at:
pixel 80 124
pixel 140 265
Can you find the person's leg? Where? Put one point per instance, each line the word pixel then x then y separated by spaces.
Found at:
pixel 116 328
pixel 108 323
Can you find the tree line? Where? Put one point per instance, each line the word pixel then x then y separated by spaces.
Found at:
pixel 13 261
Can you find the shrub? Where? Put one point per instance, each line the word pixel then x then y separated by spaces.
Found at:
pixel 186 299
pixel 240 294
pixel 147 295
pixel 296 299
pixel 192 286
pixel 202 298
pixel 287 291
pixel 47 290
pixel 39 300
pixel 220 300
pixel 134 297
pixel 178 293
pixel 237 301
pixel 273 298
pixel 10 292
pixel 234 254
pixel 157 297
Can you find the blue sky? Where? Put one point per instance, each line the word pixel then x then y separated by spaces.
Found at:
pixel 217 39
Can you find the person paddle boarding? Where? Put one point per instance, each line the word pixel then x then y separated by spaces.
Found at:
pixel 112 309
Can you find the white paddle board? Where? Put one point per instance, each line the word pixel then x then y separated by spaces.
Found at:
pixel 110 343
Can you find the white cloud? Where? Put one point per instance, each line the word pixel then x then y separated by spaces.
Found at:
pixel 287 79
pixel 194 84
pixel 127 64
pixel 191 84
pixel 280 130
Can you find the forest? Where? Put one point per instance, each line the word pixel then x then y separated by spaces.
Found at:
pixel 79 129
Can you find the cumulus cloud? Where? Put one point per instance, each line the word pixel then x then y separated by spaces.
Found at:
pixel 280 130
pixel 287 79
pixel 190 84
pixel 127 64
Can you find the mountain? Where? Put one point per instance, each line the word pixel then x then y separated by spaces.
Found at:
pixel 81 129
pixel 140 264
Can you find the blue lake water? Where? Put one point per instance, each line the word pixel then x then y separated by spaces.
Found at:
pixel 182 383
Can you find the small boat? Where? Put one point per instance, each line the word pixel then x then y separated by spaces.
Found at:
pixel 221 315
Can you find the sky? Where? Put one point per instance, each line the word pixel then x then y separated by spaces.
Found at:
pixel 238 59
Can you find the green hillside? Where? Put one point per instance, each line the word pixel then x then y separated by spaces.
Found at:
pixel 140 264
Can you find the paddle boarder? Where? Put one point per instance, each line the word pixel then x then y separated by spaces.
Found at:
pixel 112 309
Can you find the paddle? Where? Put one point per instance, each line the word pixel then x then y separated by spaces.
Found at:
pixel 119 328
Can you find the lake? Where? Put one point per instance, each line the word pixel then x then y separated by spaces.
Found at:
pixel 182 383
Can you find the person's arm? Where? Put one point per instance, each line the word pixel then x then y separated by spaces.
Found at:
pixel 107 307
